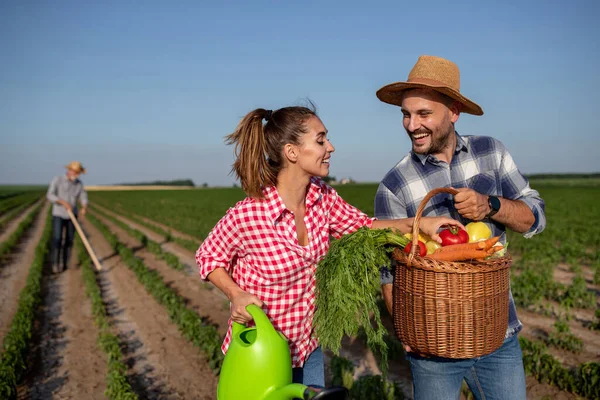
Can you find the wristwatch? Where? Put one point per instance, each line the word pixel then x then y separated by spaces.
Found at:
pixel 494 204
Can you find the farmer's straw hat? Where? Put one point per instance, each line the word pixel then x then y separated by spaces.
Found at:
pixel 76 166
pixel 435 73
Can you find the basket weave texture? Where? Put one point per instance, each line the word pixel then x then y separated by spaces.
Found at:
pixel 450 309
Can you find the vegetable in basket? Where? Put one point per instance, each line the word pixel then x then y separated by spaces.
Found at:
pixel 478 231
pixel 422 248
pixel 454 235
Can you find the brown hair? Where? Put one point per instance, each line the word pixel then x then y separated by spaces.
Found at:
pixel 259 148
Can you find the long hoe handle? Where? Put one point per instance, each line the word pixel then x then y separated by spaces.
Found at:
pixel 85 241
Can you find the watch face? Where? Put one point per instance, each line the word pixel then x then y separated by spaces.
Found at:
pixel 494 203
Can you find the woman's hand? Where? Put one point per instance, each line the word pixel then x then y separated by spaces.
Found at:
pixel 238 306
pixel 431 225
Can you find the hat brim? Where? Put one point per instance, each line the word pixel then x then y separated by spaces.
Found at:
pixel 80 171
pixel 392 94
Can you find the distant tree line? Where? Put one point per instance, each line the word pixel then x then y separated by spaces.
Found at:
pixel 177 182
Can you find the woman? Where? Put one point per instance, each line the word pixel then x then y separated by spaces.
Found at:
pixel 265 250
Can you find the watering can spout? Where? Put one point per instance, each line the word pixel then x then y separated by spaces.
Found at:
pixel 291 391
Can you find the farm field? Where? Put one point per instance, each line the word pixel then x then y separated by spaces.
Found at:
pixel 147 327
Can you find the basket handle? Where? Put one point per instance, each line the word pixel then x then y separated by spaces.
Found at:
pixel 417 220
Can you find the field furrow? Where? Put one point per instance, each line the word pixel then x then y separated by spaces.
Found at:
pixel 159 357
pixel 199 296
pixel 185 256
pixel 65 359
pixel 15 268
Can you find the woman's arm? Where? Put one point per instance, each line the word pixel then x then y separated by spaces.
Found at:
pixel 239 299
pixel 428 225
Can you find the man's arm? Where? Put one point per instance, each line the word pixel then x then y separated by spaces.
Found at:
pixel 514 214
pixel 521 207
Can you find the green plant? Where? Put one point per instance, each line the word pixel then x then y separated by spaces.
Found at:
pixel 9 244
pixel 16 342
pixel 347 285
pixel 117 386
pixel 563 338
pixel 204 336
pixel 368 387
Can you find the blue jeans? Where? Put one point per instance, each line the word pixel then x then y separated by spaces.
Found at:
pixel 498 375
pixel 313 372
pixel 58 226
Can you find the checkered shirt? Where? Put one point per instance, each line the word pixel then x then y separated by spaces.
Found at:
pixel 481 163
pixel 256 243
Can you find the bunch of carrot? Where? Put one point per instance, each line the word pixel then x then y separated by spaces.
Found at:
pixel 466 251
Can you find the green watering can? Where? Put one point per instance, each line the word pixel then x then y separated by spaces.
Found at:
pixel 258 366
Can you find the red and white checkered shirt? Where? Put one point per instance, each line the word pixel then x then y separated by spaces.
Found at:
pixel 256 243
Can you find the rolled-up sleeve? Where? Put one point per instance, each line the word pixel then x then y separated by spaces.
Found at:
pixel 344 218
pixel 516 187
pixel 51 194
pixel 220 247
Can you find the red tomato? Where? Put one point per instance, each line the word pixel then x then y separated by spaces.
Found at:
pixel 422 248
pixel 454 235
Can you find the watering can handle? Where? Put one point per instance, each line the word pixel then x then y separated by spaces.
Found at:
pixel 260 319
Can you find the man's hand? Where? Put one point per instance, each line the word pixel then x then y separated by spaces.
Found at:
pixel 82 212
pixel 471 204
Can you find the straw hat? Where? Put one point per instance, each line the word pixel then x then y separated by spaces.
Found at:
pixel 435 73
pixel 76 166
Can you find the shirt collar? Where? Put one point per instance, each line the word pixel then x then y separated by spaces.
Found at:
pixel 274 203
pixel 461 145
pixel 66 178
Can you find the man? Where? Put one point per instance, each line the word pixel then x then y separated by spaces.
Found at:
pixel 491 189
pixel 64 192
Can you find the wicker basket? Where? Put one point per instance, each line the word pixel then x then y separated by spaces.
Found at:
pixel 450 309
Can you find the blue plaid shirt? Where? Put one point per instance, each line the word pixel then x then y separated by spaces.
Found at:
pixel 481 163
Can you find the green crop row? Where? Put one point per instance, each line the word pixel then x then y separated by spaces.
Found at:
pixel 12 214
pixel 368 387
pixel 155 248
pixel 16 201
pixel 17 341
pixel 190 324
pixel 533 284
pixel 194 212
pixel 117 386
pixel 190 245
pixel 563 338
pixel 8 245
pixel 583 380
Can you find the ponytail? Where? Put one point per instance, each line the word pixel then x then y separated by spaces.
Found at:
pixel 251 165
pixel 258 148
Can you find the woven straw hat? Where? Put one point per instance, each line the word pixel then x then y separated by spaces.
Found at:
pixel 435 73
pixel 76 166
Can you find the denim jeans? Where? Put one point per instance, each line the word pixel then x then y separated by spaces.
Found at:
pixel 313 372
pixel 58 226
pixel 498 375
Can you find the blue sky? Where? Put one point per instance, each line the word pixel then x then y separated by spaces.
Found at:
pixel 147 90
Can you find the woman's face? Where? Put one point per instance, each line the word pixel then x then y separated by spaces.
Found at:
pixel 315 149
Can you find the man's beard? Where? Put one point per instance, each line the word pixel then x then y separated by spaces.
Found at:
pixel 438 142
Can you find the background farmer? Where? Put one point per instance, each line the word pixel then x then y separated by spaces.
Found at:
pixel 491 189
pixel 64 192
